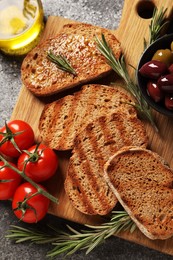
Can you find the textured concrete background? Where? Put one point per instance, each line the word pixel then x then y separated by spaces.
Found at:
pixel 106 13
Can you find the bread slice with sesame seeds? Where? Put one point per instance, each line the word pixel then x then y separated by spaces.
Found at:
pixel 85 184
pixel 61 120
pixel 76 42
pixel 143 184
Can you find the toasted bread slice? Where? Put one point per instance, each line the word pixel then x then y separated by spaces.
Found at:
pixel 61 120
pixel 85 184
pixel 77 44
pixel 142 182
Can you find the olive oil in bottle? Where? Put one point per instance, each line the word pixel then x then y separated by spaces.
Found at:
pixel 21 24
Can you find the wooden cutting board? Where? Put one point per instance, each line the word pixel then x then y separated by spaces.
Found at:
pixel 131 32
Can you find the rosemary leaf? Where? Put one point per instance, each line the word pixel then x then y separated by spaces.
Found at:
pixel 158 22
pixel 132 228
pixel 61 62
pixel 117 65
pixel 19 235
pixel 99 240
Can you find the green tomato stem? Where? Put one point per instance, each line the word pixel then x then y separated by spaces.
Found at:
pixel 9 136
pixel 24 176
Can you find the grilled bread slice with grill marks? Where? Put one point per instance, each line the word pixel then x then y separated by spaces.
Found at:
pixel 143 184
pixel 63 119
pixel 85 184
pixel 77 44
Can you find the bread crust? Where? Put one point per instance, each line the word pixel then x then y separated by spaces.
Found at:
pixel 76 43
pixel 142 183
pixel 63 119
pixel 85 184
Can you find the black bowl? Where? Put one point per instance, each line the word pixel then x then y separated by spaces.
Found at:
pixel 162 43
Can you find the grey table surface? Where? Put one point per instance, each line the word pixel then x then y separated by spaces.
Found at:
pixel 106 13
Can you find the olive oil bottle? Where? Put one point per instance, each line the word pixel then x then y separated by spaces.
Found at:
pixel 21 24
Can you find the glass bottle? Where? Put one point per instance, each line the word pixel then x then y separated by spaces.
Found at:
pixel 21 24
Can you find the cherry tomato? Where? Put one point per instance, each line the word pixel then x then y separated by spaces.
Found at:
pixel 27 207
pixel 9 181
pixel 41 162
pixel 15 133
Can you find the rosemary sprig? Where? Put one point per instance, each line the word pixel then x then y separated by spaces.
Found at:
pixel 158 22
pixel 61 62
pixel 72 240
pixel 119 66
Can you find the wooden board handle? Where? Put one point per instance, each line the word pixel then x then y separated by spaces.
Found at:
pixel 137 14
